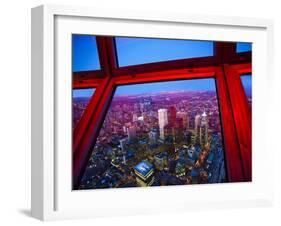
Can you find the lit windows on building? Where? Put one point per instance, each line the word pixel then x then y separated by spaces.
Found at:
pixel 163 121
pixel 144 172
pixel 161 161
pixel 204 125
pixel 153 136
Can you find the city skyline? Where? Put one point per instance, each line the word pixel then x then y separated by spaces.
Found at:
pixel 161 139
pixel 156 87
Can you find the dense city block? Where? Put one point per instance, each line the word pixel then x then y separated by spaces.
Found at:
pixel 163 138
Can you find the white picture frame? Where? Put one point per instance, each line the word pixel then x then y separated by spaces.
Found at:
pixel 52 197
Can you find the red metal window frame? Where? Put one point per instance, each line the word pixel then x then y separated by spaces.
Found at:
pixel 225 66
pixel 241 112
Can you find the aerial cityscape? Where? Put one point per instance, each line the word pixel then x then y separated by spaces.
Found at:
pixel 166 133
pixel 80 102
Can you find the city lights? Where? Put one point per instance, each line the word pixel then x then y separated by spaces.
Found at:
pixel 159 136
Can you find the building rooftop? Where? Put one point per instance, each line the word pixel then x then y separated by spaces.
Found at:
pixel 143 168
pixel 161 155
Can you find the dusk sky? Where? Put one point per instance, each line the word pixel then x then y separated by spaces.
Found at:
pixel 132 51
pixel 191 85
pixel 156 87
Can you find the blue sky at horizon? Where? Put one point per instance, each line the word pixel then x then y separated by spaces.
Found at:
pixel 156 87
pixel 207 84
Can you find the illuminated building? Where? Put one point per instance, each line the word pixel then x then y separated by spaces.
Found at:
pixel 180 169
pixel 161 160
pixel 178 130
pixel 171 164
pixel 163 121
pixel 169 131
pixel 197 122
pixel 204 129
pixel 185 119
pixel 153 136
pixel 144 173
pixel 145 104
pixel 172 113
pixel 193 139
pixel 187 136
pixel 123 146
pixel 191 152
pixel 141 118
pixel 131 131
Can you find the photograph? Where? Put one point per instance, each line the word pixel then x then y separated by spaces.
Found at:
pixel 160 112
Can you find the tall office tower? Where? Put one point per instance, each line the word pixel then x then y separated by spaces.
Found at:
pixel 131 131
pixel 123 144
pixel 161 160
pixel 178 130
pixel 197 122
pixel 193 139
pixel 204 129
pixel 153 137
pixel 185 119
pixel 163 121
pixel 172 114
pixel 123 147
pixel 197 129
pixel 147 102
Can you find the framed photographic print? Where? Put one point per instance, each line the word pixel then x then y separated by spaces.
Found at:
pixel 143 113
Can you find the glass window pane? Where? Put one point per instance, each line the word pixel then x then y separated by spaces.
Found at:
pixel 246 80
pixel 243 47
pixel 84 53
pixel 80 100
pixel 164 133
pixel 133 51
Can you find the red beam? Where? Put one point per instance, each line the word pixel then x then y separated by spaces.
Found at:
pixel 166 76
pixel 166 65
pixel 84 75
pixel 232 153
pixel 242 114
pixel 86 83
